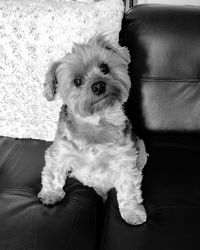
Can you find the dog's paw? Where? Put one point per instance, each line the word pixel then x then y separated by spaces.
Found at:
pixel 135 215
pixel 50 197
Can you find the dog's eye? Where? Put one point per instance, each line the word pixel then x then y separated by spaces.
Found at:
pixel 104 68
pixel 77 82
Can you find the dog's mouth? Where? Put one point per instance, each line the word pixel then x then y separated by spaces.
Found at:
pixel 101 99
pixel 103 102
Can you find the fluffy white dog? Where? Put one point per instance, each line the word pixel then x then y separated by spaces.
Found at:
pixel 94 142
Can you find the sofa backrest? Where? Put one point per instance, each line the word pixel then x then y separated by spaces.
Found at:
pixel 164 43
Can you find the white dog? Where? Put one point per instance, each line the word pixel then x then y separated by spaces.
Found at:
pixel 94 142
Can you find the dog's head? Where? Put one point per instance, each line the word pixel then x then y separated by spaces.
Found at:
pixel 91 78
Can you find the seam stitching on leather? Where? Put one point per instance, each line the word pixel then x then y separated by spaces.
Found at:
pixel 11 155
pixel 172 209
pixel 18 191
pixel 146 79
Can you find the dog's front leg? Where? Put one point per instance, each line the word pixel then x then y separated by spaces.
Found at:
pixel 130 198
pixel 54 175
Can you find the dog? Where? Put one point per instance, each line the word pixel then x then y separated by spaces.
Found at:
pixel 94 142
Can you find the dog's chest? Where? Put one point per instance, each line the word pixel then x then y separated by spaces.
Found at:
pixel 94 166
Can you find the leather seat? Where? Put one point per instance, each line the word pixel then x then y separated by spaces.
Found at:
pixel 25 223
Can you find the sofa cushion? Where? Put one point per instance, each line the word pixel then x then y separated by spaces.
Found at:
pixel 171 193
pixel 164 44
pixel 28 224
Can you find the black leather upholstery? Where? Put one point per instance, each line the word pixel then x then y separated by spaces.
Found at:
pixel 164 44
pixel 164 106
pixel 27 224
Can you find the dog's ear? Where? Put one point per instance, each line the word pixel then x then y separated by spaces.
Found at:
pixel 115 47
pixel 122 51
pixel 51 83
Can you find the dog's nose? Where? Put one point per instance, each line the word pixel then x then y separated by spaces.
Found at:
pixel 99 87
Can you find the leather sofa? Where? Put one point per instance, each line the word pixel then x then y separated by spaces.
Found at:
pixel 164 107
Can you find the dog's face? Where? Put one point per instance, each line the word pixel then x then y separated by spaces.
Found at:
pixel 93 77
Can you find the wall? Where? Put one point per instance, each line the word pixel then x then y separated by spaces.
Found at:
pixel 189 2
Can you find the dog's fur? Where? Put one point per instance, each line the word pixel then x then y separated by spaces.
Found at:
pixel 94 141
